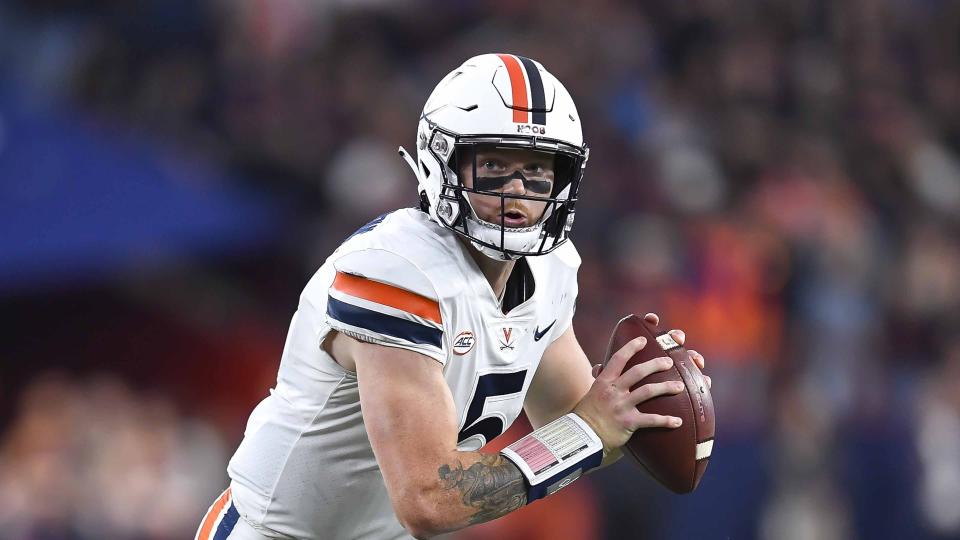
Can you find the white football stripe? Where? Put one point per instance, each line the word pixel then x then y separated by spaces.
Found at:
pixel 667 342
pixel 704 449
pixel 362 334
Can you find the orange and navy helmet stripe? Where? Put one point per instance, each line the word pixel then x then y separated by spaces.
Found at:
pixel 526 86
pixel 518 86
pixel 538 100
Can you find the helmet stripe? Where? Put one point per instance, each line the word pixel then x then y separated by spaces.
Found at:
pixel 537 97
pixel 518 86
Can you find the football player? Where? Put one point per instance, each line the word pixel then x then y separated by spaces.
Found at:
pixel 424 335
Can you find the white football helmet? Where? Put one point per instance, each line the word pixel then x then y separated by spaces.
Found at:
pixel 506 101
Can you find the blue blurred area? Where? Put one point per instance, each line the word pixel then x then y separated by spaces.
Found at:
pixel 714 510
pixel 83 201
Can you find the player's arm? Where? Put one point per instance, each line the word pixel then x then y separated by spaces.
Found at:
pixel 409 413
pixel 411 421
pixel 562 379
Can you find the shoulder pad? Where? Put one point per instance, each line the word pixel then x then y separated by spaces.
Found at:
pixel 386 267
pixel 568 255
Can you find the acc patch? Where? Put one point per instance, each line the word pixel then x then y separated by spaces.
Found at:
pixel 464 342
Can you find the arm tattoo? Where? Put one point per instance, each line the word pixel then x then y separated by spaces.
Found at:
pixel 493 486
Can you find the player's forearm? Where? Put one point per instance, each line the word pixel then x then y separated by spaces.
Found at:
pixel 470 488
pixel 486 485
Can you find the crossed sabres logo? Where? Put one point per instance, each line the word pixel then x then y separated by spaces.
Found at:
pixel 507 342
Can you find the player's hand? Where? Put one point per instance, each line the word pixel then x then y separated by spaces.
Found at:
pixel 679 336
pixel 610 407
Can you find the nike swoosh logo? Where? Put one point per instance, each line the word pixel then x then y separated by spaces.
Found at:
pixel 537 334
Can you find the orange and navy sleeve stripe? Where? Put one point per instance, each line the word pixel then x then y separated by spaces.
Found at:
pixel 380 308
pixel 220 520
pixel 529 101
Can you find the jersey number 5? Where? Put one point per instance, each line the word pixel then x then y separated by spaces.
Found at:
pixel 489 387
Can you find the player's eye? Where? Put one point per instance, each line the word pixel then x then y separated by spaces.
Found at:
pixel 539 186
pixel 534 168
pixel 489 164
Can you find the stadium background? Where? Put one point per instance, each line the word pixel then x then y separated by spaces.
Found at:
pixel 781 179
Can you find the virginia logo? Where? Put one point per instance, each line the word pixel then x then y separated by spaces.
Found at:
pixel 507 341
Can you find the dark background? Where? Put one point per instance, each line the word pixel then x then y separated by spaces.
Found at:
pixel 780 179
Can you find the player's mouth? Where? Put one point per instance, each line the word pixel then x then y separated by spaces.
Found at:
pixel 515 219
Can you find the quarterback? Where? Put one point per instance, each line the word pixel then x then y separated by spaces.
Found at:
pixel 428 331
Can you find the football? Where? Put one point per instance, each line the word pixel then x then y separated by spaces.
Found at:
pixel 678 457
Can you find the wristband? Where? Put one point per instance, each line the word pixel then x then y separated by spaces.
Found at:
pixel 555 455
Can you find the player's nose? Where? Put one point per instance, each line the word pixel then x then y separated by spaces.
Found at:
pixel 515 185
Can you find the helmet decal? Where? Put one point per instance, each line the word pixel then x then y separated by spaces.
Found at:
pixel 525 81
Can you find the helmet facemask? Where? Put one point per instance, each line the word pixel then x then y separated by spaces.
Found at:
pixel 496 238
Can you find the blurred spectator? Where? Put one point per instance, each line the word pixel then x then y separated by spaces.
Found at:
pixel 91 459
pixel 779 179
pixel 938 444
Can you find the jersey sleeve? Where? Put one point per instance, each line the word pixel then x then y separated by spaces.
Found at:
pixel 570 259
pixel 379 297
pixel 565 317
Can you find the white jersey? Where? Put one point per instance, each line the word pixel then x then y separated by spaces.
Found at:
pixel 305 468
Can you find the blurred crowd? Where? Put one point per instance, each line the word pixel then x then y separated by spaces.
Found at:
pixel 781 179
pixel 92 459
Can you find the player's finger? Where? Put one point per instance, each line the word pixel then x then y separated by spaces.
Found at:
pixel 698 359
pixel 597 368
pixel 652 318
pixel 709 381
pixel 619 359
pixel 652 390
pixel 657 421
pixel 640 371
pixel 678 335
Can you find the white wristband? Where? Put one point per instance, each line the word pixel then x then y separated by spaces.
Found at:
pixel 555 455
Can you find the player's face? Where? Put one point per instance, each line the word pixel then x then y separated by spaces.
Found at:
pixel 512 171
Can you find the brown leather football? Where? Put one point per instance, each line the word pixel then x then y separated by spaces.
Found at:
pixel 678 457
